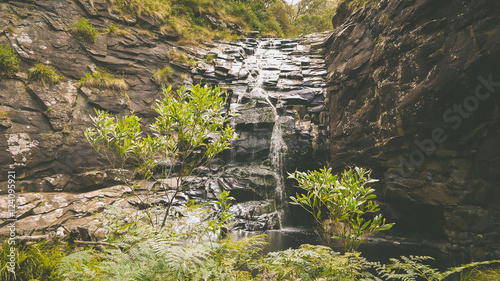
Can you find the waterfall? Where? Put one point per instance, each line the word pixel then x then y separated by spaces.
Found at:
pixel 276 89
pixel 277 154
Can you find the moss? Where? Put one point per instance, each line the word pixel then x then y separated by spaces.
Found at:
pixel 9 62
pixel 102 79
pixel 43 74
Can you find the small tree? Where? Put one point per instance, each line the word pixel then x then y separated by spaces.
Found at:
pixel 345 201
pixel 189 131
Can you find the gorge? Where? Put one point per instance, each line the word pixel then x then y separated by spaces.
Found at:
pixel 385 90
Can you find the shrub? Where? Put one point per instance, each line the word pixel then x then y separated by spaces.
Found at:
pixel 9 63
pixel 162 76
pixel 346 200
pixel 102 79
pixel 86 30
pixel 43 74
pixel 190 130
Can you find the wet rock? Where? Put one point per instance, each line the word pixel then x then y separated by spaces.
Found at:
pixel 42 130
pixel 389 90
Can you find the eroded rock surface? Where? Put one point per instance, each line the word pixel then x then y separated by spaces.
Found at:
pixel 59 175
pixel 413 95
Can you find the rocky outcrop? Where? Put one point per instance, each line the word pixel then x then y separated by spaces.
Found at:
pixel 41 136
pixel 413 94
pixel 60 179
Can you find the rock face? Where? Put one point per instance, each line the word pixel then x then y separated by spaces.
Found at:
pixel 276 92
pixel 41 136
pixel 41 126
pixel 413 94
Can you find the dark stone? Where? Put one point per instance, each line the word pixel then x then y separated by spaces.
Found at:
pixel 395 68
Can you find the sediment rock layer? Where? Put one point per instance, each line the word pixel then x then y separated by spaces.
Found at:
pixel 414 95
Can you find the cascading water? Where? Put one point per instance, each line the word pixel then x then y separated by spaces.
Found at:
pixel 263 64
pixel 276 89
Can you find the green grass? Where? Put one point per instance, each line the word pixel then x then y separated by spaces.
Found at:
pixel 186 19
pixel 183 58
pixel 113 30
pixel 37 261
pixel 86 30
pixel 9 62
pixel 102 79
pixel 43 74
pixel 163 75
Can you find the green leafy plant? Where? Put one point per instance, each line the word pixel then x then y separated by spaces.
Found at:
pixel 340 202
pixel 86 30
pixel 163 75
pixel 43 74
pixel 219 225
pixel 9 63
pixel 102 79
pixel 189 131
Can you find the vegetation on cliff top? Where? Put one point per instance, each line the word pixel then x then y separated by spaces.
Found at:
pixel 196 21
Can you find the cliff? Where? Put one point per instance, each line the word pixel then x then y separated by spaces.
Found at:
pixel 413 94
pixel 61 180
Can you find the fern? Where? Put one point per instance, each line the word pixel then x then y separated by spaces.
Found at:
pixel 79 266
pixel 311 262
pixel 412 268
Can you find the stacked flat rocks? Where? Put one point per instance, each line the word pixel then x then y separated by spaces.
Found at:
pixel 268 81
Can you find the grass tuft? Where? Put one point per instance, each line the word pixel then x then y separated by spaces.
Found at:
pixel 86 30
pixel 102 79
pixel 113 30
pixel 43 74
pixel 36 261
pixel 162 76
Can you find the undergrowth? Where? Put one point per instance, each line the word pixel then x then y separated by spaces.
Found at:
pixel 198 21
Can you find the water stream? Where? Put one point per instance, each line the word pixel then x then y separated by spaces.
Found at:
pixel 276 89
